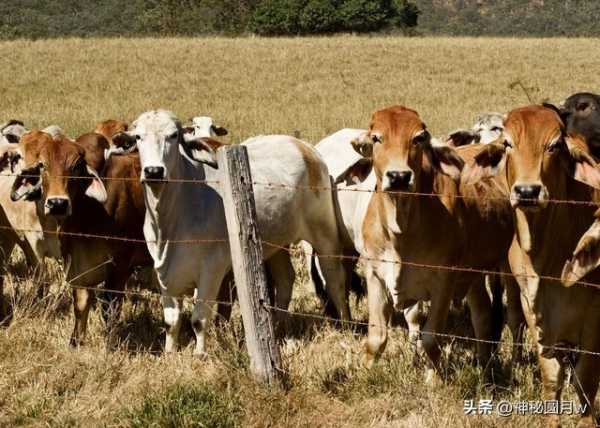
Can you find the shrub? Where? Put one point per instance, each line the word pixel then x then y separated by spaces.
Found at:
pixel 277 17
pixel 365 15
pixel 319 16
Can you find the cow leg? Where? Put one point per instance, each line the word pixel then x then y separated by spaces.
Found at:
pixel 172 316
pixel 282 274
pixel 6 247
pixel 380 311
pixel 586 385
pixel 112 302
pixel 207 289
pixel 436 321
pixel 81 308
pixel 413 315
pixel 515 318
pixel 226 297
pixel 553 373
pixel 482 320
pixel 334 272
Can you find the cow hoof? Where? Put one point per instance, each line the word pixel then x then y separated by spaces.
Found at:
pixel 432 378
pixel 75 342
pixel 368 360
pixel 201 355
pixel 586 422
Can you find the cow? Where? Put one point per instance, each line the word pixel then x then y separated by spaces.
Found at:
pixel 542 164
pixel 66 178
pixel 399 233
pixel 581 114
pixel 19 222
pixel 194 211
pixel 487 127
pixel 204 127
pixel 115 133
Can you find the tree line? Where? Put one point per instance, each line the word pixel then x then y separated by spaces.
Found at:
pixel 36 19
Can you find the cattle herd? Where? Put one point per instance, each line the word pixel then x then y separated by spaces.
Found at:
pixel 514 197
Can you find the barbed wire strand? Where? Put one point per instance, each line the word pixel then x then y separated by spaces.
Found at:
pixel 315 188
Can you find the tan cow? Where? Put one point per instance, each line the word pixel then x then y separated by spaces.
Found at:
pixel 542 163
pixel 410 230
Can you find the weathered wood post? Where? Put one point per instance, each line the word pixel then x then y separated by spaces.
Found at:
pixel 247 261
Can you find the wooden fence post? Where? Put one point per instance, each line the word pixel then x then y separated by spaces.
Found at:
pixel 247 262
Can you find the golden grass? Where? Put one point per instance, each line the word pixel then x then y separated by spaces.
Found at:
pixel 252 86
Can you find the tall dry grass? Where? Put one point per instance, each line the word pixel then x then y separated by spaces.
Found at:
pixel 313 86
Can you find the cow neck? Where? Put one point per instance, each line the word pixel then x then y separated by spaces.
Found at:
pixel 551 234
pixel 162 212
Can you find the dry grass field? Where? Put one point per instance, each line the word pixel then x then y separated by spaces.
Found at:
pixel 312 86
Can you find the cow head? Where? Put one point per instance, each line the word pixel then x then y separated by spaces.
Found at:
pixel 396 141
pixel 487 128
pixel 11 132
pixel 55 172
pixel 581 114
pixel 110 127
pixel 158 137
pixel 538 153
pixel 204 127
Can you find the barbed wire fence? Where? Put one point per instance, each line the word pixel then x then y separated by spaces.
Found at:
pixel 264 303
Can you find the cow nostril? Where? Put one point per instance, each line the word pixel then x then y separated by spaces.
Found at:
pixel 154 172
pixel 529 192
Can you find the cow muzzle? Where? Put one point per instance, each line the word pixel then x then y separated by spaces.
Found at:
pixel 398 180
pixel 528 196
pixel 57 206
pixel 153 173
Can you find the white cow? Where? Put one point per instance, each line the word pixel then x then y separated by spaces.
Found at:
pixel 204 127
pixel 486 129
pixel 191 211
pixel 355 182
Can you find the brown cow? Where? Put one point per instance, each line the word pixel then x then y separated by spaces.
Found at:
pixel 542 162
pixel 430 230
pixel 89 206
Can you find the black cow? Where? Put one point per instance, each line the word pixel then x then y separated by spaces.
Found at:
pixel 581 114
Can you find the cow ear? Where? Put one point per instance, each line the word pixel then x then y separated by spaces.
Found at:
pixel 356 173
pixel 462 137
pixel 203 150
pixel 586 256
pixel 562 113
pixel 445 159
pixel 9 157
pixel 487 163
pixel 123 140
pixel 582 166
pixel 96 189
pixel 219 130
pixel 363 144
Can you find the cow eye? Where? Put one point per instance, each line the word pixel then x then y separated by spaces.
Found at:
pixel 421 138
pixel 496 129
pixel 138 137
pixel 174 135
pixel 557 145
pixel 376 138
pixel 507 144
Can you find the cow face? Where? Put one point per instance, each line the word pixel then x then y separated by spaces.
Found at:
pixel 204 127
pixel 11 132
pixel 158 135
pixel 537 152
pixel 56 173
pixel 111 127
pixel 581 114
pixel 488 127
pixel 396 141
